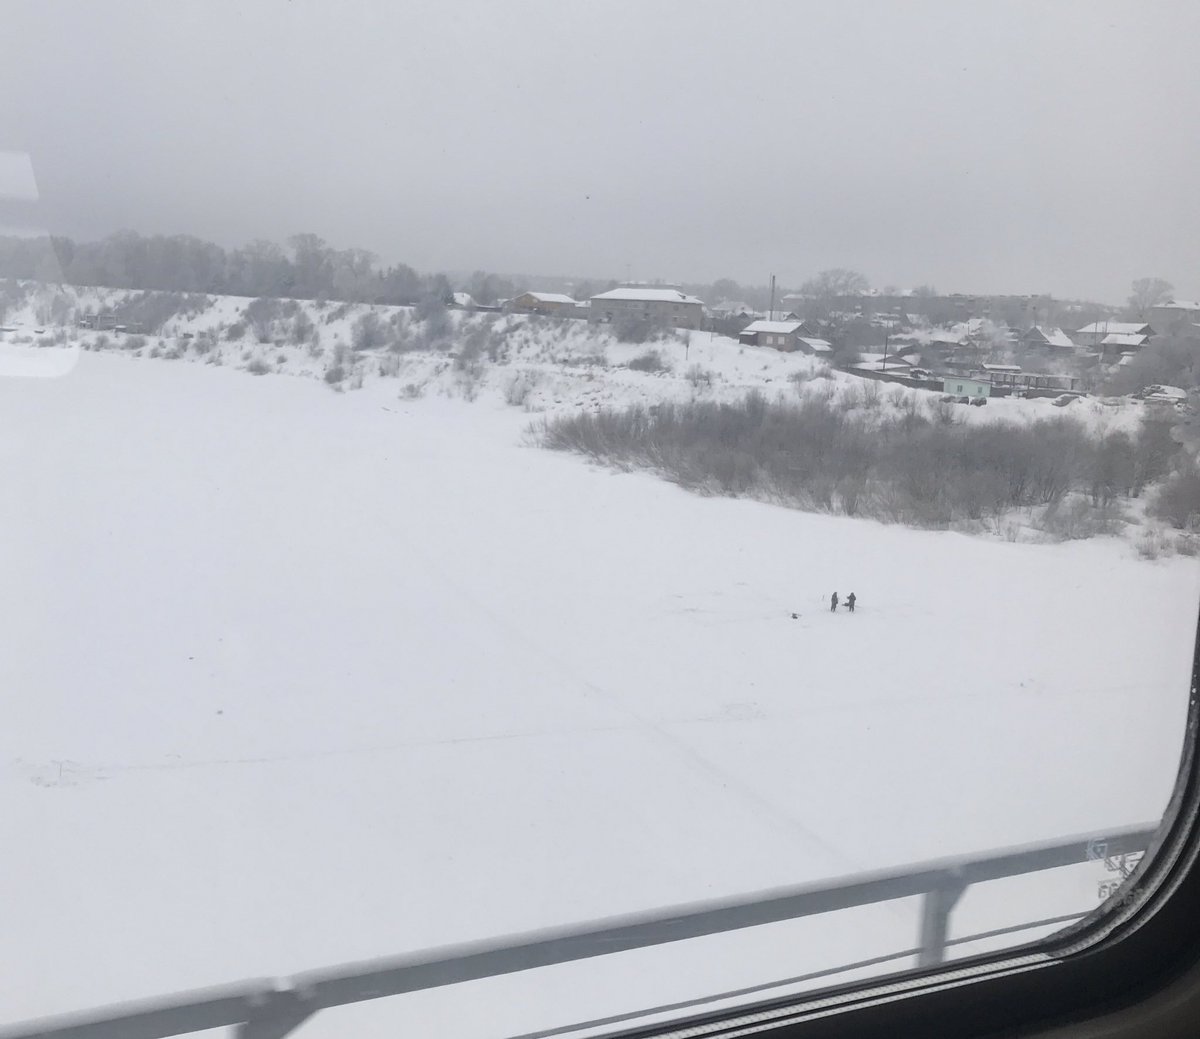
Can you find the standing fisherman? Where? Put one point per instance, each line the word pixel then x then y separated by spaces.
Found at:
pixel 850 601
pixel 833 601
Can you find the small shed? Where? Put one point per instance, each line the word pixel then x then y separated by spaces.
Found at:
pixel 962 386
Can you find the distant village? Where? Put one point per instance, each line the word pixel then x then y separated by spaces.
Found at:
pixel 968 347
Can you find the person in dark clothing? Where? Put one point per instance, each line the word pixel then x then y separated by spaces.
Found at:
pixel 833 601
pixel 850 601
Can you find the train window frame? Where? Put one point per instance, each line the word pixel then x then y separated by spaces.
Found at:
pixel 1132 965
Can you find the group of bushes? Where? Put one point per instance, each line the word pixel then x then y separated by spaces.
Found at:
pixel 1171 360
pixel 910 465
pixel 152 310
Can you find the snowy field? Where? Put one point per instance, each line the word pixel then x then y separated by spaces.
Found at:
pixel 294 677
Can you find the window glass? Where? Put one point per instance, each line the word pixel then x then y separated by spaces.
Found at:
pixel 356 602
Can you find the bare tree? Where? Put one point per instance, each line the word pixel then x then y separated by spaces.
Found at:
pixel 825 288
pixel 1147 293
pixel 837 281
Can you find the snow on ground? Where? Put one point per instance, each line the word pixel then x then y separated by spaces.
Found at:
pixel 296 677
pixel 562 365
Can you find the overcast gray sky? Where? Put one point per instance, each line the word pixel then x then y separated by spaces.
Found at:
pixel 1004 146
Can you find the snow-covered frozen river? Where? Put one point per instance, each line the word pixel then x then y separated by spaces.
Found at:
pixel 293 677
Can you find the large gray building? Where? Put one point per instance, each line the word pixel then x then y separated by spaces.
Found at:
pixel 1176 316
pixel 668 306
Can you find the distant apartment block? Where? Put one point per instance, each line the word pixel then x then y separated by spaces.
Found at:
pixel 667 306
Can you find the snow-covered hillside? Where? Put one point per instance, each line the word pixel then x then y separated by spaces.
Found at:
pixel 295 677
pixel 542 365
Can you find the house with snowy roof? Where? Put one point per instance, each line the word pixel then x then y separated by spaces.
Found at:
pixel 664 306
pixel 733 308
pixel 542 303
pixel 1123 342
pixel 1048 338
pixel 810 326
pixel 1093 335
pixel 784 335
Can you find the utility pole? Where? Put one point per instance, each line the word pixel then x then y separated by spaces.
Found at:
pixel 771 316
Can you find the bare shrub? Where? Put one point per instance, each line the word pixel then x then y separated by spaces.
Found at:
pixel 853 396
pixel 943 414
pixel 822 394
pixel 472 347
pixel 636 328
pixel 412 391
pixel 588 360
pixel 469 380
pixel 1171 359
pixel 1112 468
pixel 650 361
pixel 1153 450
pixel 235 331
pixel 431 306
pixel 1178 500
pixel 334 374
pixel 302 328
pixel 368 332
pixel 436 327
pixel 699 377
pixel 258 367
pixel 1187 545
pixel 264 314
pixel 817 455
pixel 102 342
pixel 910 411
pixel 150 311
pixel 519 389
pixel 1077 518
pixel 1152 544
